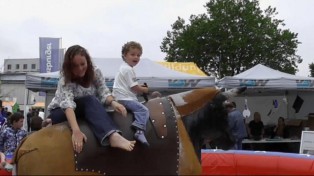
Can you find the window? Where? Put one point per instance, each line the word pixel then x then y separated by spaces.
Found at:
pixel 17 66
pixel 9 67
pixel 33 66
pixel 25 66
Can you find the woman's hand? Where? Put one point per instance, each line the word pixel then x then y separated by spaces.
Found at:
pixel 119 108
pixel 78 139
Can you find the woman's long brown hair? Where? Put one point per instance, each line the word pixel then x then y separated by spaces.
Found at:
pixel 67 66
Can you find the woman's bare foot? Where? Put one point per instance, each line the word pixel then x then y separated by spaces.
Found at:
pixel 116 140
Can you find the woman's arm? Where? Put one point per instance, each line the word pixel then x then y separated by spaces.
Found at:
pixel 65 98
pixel 105 94
pixel 78 138
pixel 116 106
pixel 69 112
pixel 102 90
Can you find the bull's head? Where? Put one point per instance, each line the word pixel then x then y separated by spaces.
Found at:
pixel 205 116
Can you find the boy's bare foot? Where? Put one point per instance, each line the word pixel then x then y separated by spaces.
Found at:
pixel 116 140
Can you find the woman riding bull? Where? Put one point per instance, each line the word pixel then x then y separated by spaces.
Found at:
pixel 82 93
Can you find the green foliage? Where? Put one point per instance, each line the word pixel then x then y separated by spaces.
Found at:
pixel 232 37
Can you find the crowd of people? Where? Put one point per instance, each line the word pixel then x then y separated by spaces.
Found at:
pixel 254 130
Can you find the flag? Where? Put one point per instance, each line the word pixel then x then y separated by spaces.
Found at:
pixel 50 55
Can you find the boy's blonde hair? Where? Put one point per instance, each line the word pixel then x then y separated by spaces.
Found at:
pixel 129 45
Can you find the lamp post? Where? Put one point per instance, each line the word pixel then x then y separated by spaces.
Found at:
pixel 218 69
pixel 219 63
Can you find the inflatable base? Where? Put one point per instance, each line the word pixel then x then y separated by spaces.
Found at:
pixel 241 162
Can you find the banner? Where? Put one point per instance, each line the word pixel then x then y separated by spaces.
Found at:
pixel 185 67
pixel 50 55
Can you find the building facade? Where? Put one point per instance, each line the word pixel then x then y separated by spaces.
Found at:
pixel 12 86
pixel 21 65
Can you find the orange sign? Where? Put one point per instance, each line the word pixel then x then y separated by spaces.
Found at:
pixel 185 67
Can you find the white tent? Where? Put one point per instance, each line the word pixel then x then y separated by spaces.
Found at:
pixel 266 85
pixel 155 75
pixel 262 77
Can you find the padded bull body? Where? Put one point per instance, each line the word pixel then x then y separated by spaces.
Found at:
pixel 49 151
pixel 160 158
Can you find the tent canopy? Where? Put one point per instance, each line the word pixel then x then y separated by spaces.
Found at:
pixel 155 75
pixel 262 77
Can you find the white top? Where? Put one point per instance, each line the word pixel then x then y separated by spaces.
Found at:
pixel 124 80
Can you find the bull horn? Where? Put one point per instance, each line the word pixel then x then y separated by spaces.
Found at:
pixel 191 101
pixel 234 91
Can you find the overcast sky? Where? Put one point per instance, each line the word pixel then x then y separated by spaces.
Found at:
pixel 103 26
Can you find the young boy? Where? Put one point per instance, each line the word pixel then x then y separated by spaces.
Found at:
pixel 126 87
pixel 11 137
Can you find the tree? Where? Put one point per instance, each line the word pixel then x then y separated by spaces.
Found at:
pixel 311 67
pixel 232 37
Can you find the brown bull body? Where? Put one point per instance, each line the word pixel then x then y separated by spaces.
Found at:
pixel 49 151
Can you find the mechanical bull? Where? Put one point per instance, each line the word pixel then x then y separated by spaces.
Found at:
pixel 178 125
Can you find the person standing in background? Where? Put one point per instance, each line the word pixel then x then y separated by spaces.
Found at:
pixel 36 122
pixel 3 120
pixel 256 127
pixel 280 129
pixel 5 112
pixel 29 116
pixel 156 94
pixel 236 124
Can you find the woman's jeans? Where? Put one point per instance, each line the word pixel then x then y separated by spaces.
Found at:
pixel 90 109
pixel 141 113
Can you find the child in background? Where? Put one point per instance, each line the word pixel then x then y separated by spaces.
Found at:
pixel 126 87
pixel 12 135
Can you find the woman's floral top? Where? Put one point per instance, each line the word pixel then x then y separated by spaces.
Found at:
pixel 10 138
pixel 65 94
